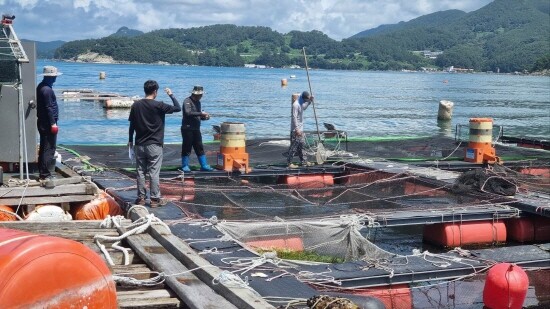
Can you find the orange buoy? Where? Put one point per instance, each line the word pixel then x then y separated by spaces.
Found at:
pixel 465 233
pixel 308 181
pixel 530 229
pixel 505 287
pixel 287 242
pixel 5 213
pixel 181 191
pixel 397 296
pixel 520 229
pixel 317 181
pixel 97 209
pixel 352 178
pixel 39 271
pixel 542 228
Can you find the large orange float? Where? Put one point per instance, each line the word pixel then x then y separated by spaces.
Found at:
pixel 39 271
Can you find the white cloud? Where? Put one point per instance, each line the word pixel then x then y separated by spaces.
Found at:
pixel 81 19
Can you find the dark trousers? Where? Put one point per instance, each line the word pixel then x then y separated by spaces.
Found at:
pixel 296 147
pixel 191 139
pixel 46 152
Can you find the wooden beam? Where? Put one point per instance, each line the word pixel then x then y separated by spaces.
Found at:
pixel 243 298
pixel 46 200
pixel 190 289
pixel 82 188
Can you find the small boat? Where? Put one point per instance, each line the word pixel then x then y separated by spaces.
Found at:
pixel 292 76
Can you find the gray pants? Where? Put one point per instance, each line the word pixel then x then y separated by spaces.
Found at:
pixel 296 147
pixel 148 161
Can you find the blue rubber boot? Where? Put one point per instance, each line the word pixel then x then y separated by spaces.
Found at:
pixel 204 165
pixel 185 164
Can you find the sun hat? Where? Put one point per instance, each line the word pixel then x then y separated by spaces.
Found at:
pixel 197 90
pixel 50 70
pixel 305 95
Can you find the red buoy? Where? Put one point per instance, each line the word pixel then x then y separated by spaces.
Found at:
pixel 505 287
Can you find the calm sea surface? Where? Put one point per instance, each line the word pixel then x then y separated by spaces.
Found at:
pixel 366 104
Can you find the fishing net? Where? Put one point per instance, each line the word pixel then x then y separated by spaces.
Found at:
pixel 492 180
pixel 338 237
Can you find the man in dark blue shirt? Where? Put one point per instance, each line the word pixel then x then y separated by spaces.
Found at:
pixel 147 120
pixel 47 117
pixel 191 130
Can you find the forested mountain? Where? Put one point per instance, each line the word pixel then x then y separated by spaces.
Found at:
pixel 437 19
pixel 126 32
pixel 46 49
pixel 505 35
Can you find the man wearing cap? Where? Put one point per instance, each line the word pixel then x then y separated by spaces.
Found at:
pixel 147 120
pixel 191 130
pixel 297 137
pixel 47 117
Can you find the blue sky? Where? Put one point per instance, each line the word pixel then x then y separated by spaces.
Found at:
pixel 49 20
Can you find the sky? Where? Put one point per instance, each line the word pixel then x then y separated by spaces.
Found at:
pixel 67 20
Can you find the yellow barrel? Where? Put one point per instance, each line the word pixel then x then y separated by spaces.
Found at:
pixel 283 82
pixel 233 137
pixel 481 130
pixel 102 75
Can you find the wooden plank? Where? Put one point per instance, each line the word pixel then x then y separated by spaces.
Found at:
pixel 240 297
pixel 156 303
pixel 65 170
pixel 65 225
pixel 69 180
pixel 75 189
pixel 194 292
pixel 46 200
pixel 137 294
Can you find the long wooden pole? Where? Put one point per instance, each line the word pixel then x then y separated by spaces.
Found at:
pixel 311 94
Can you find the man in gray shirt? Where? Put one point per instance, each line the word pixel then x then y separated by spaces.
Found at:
pixel 297 137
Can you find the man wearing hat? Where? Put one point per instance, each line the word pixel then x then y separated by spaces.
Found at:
pixel 297 137
pixel 191 130
pixel 47 116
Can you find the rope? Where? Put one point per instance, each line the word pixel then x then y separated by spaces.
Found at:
pixel 228 278
pixel 159 278
pixel 138 227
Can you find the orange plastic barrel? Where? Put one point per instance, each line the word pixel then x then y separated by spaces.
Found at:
pixel 480 146
pixel 233 155
pixel 39 271
pixel 4 215
pixel 466 233
pixel 97 209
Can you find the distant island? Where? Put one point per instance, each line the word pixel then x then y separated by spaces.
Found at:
pixel 504 36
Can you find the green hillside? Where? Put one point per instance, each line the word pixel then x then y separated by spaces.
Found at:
pixel 505 35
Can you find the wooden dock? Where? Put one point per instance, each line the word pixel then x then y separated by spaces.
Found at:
pixel 147 257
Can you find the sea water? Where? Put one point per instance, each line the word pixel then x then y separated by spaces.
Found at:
pixel 363 103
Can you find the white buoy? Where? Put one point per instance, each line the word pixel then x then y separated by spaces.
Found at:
pixel 102 75
pixel 445 110
pixel 118 103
